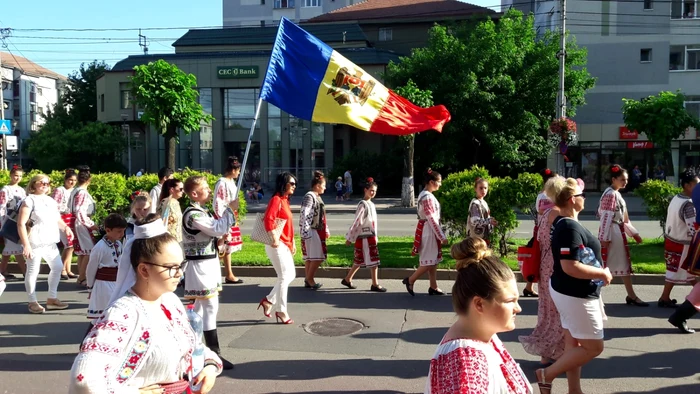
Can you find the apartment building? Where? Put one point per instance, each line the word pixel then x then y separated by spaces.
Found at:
pixel 635 49
pixel 29 92
pixel 239 13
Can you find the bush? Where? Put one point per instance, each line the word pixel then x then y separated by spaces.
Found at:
pixel 505 194
pixel 657 195
pixel 112 191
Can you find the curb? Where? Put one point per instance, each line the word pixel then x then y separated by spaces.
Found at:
pixel 385 273
pixel 393 210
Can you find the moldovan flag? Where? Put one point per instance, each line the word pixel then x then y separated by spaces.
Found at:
pixel 308 79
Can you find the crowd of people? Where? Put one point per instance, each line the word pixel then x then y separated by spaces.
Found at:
pixel 131 285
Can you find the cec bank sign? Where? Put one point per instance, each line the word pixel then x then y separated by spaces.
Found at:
pixel 235 72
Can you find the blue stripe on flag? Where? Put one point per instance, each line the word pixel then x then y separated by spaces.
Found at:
pixel 297 66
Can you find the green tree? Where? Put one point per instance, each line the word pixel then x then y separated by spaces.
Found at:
pixel 63 142
pixel 499 81
pixel 80 93
pixel 168 97
pixel 662 118
pixel 421 98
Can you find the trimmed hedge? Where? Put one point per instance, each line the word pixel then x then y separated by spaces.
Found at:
pixel 112 191
pixel 657 196
pixel 504 196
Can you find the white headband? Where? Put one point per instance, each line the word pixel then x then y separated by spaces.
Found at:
pixel 126 276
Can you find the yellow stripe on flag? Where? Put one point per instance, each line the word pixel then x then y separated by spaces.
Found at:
pixel 348 95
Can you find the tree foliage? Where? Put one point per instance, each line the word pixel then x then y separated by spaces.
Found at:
pixel 421 98
pixel 168 97
pixel 499 81
pixel 63 142
pixel 662 118
pixel 80 93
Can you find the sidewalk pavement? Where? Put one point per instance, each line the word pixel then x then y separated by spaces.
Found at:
pixel 392 205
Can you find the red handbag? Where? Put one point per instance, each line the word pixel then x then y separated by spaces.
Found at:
pixel 529 257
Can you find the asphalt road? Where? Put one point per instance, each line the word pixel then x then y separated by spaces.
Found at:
pixel 405 225
pixel 643 353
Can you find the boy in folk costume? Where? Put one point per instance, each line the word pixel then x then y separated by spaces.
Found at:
pixel 226 191
pixel 363 235
pixel 429 237
pixel 199 242
pixel 480 223
pixel 102 267
pixel 679 231
pixel 614 228
pixel 10 197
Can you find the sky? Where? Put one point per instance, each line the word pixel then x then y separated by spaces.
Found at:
pixel 161 21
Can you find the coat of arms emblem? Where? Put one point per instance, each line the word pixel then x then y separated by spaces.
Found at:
pixel 348 88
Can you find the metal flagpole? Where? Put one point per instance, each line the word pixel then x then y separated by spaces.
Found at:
pixel 247 148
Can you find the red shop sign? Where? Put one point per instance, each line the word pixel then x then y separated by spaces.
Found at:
pixel 640 145
pixel 627 134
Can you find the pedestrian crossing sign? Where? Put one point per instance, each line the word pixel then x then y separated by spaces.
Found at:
pixel 5 127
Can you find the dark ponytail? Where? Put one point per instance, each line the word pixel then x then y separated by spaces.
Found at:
pixel 83 174
pixel 369 182
pixel 70 172
pixel 318 179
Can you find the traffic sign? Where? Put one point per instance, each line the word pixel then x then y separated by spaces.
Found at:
pixel 5 126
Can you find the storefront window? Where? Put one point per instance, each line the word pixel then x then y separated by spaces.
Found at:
pixel 590 168
pixel 206 136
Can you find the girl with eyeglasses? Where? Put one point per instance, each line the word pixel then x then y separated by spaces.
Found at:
pixel 145 326
pixel 169 206
pixel 45 223
pixel 615 227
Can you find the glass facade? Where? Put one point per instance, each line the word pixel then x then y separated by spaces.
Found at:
pixel 206 137
pixel 239 108
pixel 274 137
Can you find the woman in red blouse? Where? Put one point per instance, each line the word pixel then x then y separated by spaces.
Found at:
pixel 281 252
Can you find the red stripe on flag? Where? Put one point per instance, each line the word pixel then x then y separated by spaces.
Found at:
pixel 565 251
pixel 400 117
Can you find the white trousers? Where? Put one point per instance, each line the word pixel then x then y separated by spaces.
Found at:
pixel 53 259
pixel 283 261
pixel 2 284
pixel 207 308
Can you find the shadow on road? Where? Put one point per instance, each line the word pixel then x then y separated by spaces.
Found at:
pixel 323 369
pixel 685 389
pixel 20 362
pixel 44 334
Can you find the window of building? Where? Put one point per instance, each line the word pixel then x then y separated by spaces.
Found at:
pixel 124 97
pixel 274 138
pixel 385 34
pixel 648 4
pixel 682 9
pixel 684 57
pixel 312 3
pixel 40 91
pixel 102 103
pixel 645 55
pixel 239 108
pixel 206 136
pixel 284 4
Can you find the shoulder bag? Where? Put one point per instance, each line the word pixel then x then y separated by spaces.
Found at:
pixel 261 235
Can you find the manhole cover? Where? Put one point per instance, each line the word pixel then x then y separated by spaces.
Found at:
pixel 334 327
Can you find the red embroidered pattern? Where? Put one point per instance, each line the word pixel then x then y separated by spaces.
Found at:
pixel 462 371
pixel 80 378
pixel 135 357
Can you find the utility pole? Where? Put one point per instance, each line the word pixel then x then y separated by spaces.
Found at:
pixel 561 95
pixel 143 42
